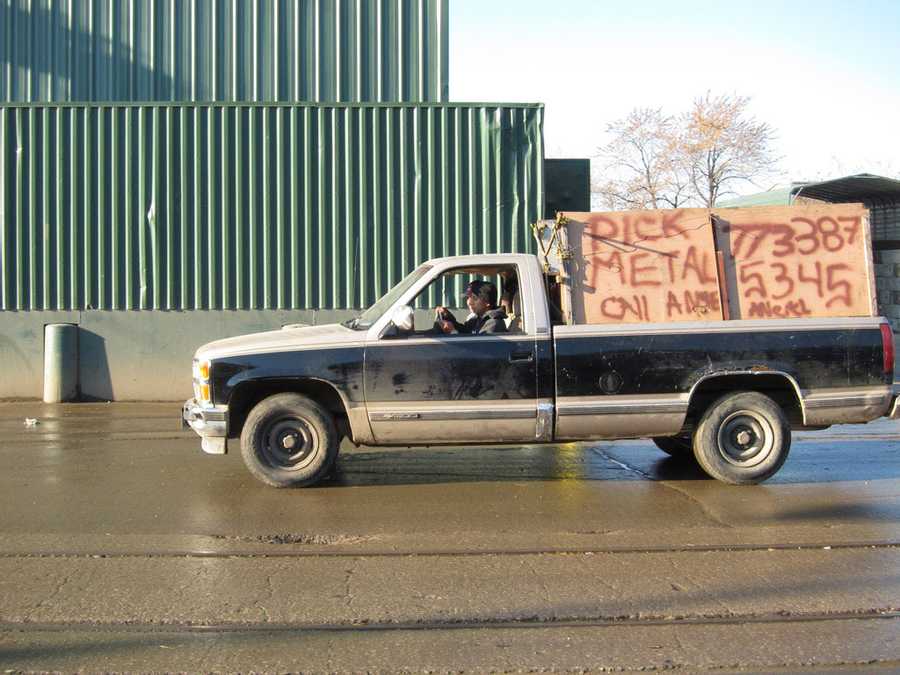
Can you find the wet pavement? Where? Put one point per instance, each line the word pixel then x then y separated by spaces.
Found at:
pixel 123 547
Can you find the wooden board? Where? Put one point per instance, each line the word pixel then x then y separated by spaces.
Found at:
pixel 797 261
pixel 643 266
pixel 812 260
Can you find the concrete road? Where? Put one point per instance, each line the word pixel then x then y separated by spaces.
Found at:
pixel 123 547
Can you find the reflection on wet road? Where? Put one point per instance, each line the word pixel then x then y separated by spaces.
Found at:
pixel 111 514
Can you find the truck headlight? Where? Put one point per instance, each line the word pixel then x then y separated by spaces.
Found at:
pixel 201 380
pixel 201 370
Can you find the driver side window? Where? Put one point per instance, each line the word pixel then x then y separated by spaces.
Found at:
pixel 472 300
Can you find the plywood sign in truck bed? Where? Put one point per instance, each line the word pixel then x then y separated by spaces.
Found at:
pixel 702 265
pixel 660 362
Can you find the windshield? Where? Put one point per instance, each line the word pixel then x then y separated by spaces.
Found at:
pixel 365 320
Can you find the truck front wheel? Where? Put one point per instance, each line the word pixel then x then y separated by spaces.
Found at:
pixel 289 440
pixel 743 438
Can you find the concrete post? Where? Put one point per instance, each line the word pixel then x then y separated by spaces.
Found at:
pixel 60 362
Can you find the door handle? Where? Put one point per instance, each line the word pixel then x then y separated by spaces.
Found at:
pixel 521 357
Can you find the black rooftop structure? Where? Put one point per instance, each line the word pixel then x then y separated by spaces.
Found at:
pixel 879 194
pixel 862 187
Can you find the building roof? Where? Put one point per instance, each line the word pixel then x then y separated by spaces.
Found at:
pixel 775 197
pixel 863 187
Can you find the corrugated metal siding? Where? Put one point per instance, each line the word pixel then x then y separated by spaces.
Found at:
pixel 235 206
pixel 224 50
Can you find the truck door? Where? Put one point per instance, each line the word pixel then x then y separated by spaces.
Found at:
pixel 611 384
pixel 430 388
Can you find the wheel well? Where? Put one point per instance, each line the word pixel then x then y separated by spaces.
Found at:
pixel 776 387
pixel 248 394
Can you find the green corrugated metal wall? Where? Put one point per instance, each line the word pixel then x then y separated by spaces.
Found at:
pixel 223 50
pixel 235 206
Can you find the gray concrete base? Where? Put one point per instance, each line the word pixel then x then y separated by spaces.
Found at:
pixel 140 356
pixel 131 356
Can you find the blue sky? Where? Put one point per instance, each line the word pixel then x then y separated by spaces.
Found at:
pixel 825 75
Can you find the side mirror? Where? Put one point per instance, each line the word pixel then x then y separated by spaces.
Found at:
pixel 404 319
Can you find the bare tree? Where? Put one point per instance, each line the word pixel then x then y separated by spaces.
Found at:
pixel 722 145
pixel 640 164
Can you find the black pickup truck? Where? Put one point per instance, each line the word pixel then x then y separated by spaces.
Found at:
pixel 726 392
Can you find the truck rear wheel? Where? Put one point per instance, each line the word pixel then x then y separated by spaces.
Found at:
pixel 289 440
pixel 677 446
pixel 743 438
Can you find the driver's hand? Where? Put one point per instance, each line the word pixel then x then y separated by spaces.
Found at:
pixel 441 312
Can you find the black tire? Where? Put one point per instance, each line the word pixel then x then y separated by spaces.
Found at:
pixel 289 440
pixel 743 438
pixel 677 446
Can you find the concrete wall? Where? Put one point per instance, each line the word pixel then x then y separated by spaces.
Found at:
pixel 130 356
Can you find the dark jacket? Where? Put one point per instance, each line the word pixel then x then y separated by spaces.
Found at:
pixel 492 321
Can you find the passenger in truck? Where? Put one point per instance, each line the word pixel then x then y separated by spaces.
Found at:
pixel 481 297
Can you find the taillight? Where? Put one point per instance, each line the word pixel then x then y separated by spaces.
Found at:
pixel 887 343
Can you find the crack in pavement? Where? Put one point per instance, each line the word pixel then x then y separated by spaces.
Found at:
pixel 598 579
pixel 542 584
pixel 680 491
pixel 703 508
pixel 348 595
pixel 679 644
pixel 631 469
pixel 270 597
pixel 47 601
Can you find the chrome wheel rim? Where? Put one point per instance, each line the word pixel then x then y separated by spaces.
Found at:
pixel 289 443
pixel 746 439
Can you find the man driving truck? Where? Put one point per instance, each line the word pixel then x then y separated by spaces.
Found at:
pixel 481 297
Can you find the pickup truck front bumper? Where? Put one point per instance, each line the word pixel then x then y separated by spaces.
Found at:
pixel 210 423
